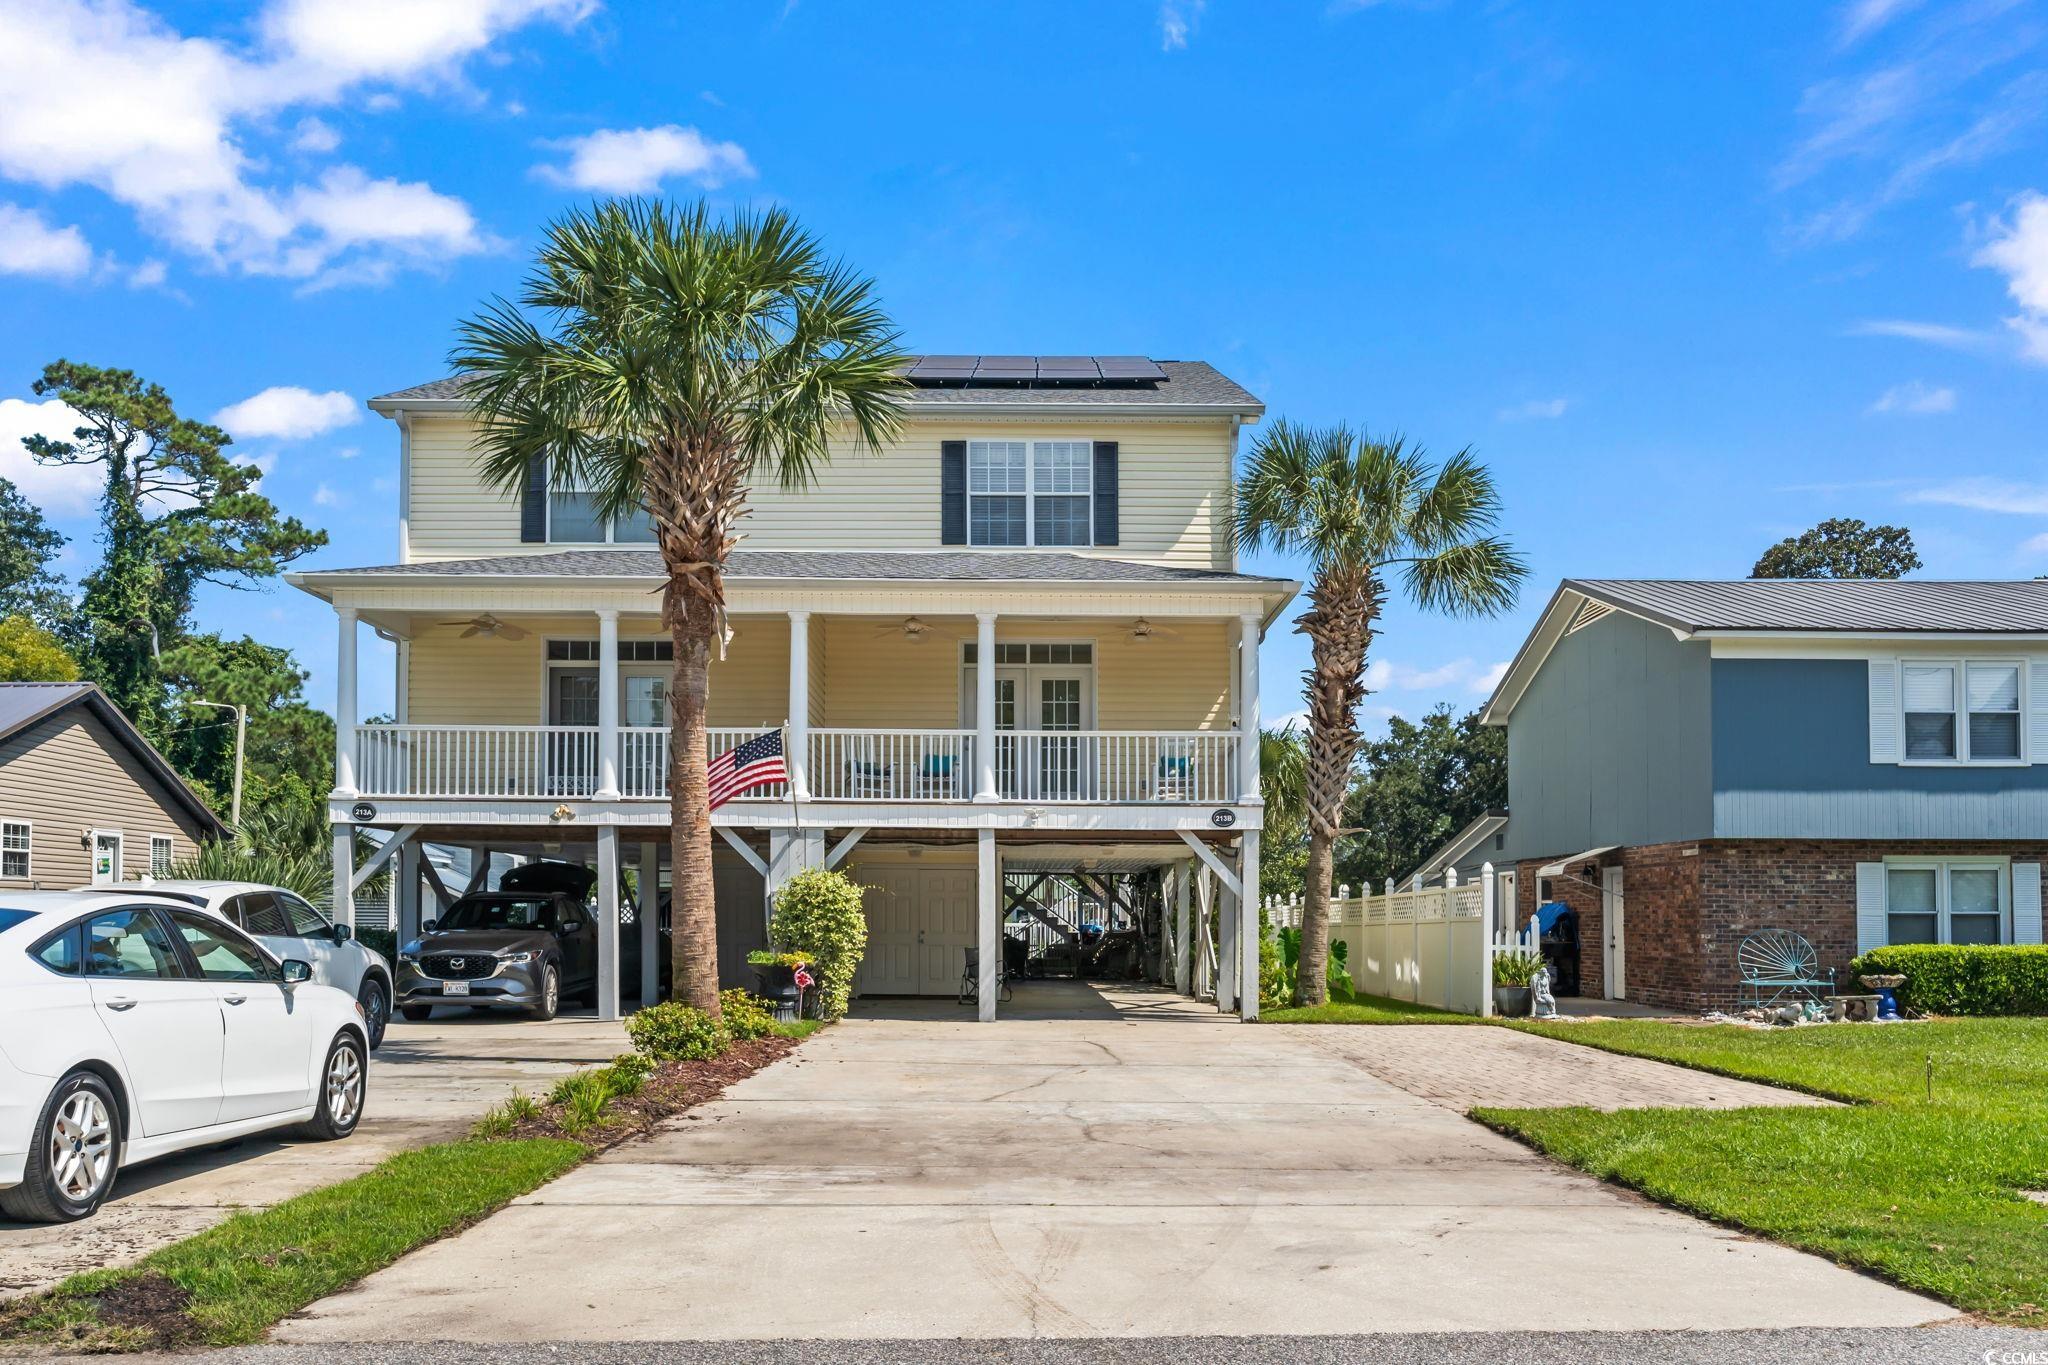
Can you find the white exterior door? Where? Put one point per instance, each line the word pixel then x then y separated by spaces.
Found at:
pixel 106 857
pixel 1612 914
pixel 946 907
pixel 892 963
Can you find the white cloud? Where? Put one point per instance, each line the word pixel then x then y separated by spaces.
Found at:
pixel 323 496
pixel 1915 399
pixel 1932 333
pixel 149 274
pixel 1986 495
pixel 1469 675
pixel 1178 19
pixel 1865 17
pixel 105 94
pixel 315 136
pixel 287 412
pixel 1536 410
pixel 2018 249
pixel 637 160
pixel 2035 545
pixel 60 490
pixel 30 246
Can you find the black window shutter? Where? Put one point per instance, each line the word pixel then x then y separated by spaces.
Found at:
pixel 1105 493
pixel 533 506
pixel 952 492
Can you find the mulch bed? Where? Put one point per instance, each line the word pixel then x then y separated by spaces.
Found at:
pixel 674 1088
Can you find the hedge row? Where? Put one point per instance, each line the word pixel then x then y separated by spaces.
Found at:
pixel 2010 979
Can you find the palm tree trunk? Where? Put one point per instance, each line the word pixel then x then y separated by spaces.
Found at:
pixel 693 901
pixel 1342 607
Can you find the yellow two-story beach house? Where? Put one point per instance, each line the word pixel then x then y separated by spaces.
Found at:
pixel 1011 656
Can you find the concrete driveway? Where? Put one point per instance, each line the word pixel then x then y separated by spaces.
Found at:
pixel 428 1082
pixel 1145 1168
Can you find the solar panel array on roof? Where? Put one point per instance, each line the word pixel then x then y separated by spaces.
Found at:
pixel 939 370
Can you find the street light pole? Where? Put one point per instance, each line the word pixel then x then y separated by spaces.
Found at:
pixel 241 738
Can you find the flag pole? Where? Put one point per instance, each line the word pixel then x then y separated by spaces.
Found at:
pixel 789 781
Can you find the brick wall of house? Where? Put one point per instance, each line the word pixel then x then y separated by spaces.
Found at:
pixel 1689 906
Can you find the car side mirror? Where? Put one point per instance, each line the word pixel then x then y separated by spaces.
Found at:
pixel 293 972
pixel 343 933
pixel 432 926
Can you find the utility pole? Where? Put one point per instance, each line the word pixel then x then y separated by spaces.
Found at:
pixel 241 739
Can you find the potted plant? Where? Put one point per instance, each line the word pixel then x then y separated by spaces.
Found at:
pixel 1514 977
pixel 775 979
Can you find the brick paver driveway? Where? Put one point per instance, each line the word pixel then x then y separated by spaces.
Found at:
pixel 1136 1168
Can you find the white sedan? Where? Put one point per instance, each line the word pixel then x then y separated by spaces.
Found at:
pixel 133 1026
pixel 288 926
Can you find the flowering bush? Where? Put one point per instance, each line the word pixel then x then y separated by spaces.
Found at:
pixel 818 914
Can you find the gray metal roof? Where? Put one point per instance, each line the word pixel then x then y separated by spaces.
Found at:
pixel 1829 605
pixel 955 566
pixel 23 704
pixel 1188 383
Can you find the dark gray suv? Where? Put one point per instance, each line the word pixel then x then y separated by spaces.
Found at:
pixel 526 946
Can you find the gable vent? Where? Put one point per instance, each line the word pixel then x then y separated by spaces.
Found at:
pixel 1589 611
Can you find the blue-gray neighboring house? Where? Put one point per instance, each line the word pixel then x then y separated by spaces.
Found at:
pixel 1863 762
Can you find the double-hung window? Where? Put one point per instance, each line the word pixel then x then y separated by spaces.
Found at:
pixel 1952 901
pixel 1962 711
pixel 1031 493
pixel 14 848
pixel 573 519
pixel 160 855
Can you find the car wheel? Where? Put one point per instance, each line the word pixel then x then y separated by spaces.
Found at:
pixel 73 1156
pixel 344 1082
pixel 376 1003
pixel 549 1000
pixel 415 1012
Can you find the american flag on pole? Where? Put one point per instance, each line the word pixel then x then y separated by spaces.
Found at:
pixel 754 763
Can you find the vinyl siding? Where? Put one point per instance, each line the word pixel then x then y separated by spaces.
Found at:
pixel 1792 761
pixel 68 774
pixel 1173 485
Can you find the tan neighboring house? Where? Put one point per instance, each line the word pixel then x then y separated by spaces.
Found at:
pixel 1065 518
pixel 84 798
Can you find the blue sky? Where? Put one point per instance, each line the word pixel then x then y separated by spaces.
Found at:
pixel 1689 277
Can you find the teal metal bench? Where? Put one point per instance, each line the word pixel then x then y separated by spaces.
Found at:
pixel 1777 963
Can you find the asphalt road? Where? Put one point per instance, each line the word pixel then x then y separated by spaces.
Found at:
pixel 1803 1346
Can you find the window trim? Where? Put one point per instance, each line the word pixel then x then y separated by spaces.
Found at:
pixel 27 851
pixel 626 667
pixel 170 852
pixel 610 525
pixel 1031 493
pixel 1962 664
pixel 1941 867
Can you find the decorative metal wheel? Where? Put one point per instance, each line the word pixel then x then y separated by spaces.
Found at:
pixel 551 989
pixel 344 1086
pixel 82 1146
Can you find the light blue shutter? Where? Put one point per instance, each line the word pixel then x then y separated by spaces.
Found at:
pixel 2026 902
pixel 1884 710
pixel 1870 925
pixel 2037 711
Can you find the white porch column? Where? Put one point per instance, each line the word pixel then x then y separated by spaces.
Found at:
pixel 649 914
pixel 345 706
pixel 1248 937
pixel 1248 714
pixel 799 737
pixel 608 718
pixel 1227 951
pixel 988 886
pixel 985 707
pixel 608 922
pixel 1184 937
pixel 344 907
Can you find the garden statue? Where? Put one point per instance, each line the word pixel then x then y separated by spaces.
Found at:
pixel 1545 1004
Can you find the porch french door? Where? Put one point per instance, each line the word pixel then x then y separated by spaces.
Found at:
pixel 1044 765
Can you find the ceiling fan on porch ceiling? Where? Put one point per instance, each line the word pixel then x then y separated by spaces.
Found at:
pixel 911 628
pixel 489 626
pixel 1142 629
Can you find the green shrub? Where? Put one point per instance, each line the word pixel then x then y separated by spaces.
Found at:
pixel 583 1097
pixel 673 1031
pixel 762 957
pixel 745 1016
pixel 629 1071
pixel 818 913
pixel 1336 969
pixel 1515 969
pixel 1941 979
pixel 382 942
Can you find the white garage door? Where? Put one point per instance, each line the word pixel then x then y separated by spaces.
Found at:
pixel 920 922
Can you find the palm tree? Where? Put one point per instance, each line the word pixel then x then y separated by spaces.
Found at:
pixel 1358 510
pixel 683 359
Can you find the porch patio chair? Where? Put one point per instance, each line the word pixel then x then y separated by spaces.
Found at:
pixel 1176 779
pixel 970 979
pixel 869 781
pixel 1775 964
pixel 938 778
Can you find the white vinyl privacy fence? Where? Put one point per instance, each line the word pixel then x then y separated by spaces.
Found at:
pixel 1429 945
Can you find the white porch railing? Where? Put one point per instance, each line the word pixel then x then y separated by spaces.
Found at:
pixel 482 762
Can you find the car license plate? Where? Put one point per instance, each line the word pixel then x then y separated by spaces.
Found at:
pixel 455 988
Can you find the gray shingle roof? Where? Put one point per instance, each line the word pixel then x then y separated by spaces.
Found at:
pixel 1187 383
pixel 1823 605
pixel 958 566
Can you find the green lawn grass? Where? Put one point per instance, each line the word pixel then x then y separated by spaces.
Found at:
pixel 1926 1192
pixel 1363 1009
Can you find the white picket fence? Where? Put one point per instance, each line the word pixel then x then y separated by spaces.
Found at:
pixel 1430 945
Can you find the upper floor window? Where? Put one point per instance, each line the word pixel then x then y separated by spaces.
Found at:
pixel 1962 711
pixel 573 519
pixel 1029 492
